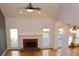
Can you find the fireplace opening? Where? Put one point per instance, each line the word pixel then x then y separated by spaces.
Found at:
pixel 30 43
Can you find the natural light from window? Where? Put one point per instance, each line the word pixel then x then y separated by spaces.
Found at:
pixel 46 33
pixel 14 38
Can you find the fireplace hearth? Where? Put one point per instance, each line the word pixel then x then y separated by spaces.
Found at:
pixel 30 43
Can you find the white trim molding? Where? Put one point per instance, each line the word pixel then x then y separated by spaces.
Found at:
pixel 4 52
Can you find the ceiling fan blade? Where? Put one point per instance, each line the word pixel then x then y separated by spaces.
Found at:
pixel 23 8
pixel 37 8
pixel 30 7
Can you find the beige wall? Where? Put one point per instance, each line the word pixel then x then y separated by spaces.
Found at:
pixel 68 13
pixel 29 26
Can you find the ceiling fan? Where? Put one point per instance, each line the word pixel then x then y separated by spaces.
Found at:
pixel 30 8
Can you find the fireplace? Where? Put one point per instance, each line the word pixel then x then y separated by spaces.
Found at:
pixel 30 43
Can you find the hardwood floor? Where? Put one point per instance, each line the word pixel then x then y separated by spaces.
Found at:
pixel 42 52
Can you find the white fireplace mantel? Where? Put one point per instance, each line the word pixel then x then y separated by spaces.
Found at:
pixel 21 37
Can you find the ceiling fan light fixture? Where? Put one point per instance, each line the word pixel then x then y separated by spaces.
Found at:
pixel 29 10
pixel 39 12
pixel 20 12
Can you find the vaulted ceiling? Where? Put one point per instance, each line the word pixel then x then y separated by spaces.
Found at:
pixel 11 10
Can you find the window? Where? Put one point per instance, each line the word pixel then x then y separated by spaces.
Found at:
pixel 60 37
pixel 70 40
pixel 46 37
pixel 70 37
pixel 77 37
pixel 14 38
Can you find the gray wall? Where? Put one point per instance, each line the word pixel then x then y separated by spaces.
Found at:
pixel 3 41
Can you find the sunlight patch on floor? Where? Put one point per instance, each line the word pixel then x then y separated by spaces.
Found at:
pixel 15 53
pixel 45 52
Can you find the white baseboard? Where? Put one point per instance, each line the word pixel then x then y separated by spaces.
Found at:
pixel 4 52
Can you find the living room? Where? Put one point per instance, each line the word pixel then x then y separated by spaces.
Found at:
pixel 45 29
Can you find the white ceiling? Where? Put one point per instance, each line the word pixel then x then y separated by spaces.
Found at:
pixel 11 10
